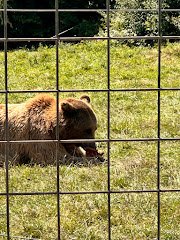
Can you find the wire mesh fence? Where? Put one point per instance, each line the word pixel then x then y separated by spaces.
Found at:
pixel 158 140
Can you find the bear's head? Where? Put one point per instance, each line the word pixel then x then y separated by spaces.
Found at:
pixel 77 121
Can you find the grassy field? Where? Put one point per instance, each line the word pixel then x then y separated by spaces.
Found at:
pixel 133 164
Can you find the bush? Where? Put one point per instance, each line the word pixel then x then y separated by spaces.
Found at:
pixel 144 23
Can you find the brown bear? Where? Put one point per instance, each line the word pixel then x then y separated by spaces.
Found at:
pixel 36 119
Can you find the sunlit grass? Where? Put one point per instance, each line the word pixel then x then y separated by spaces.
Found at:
pixel 133 164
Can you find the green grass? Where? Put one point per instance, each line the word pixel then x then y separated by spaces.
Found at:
pixel 133 164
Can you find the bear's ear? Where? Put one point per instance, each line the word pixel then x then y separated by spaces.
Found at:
pixel 85 98
pixel 68 108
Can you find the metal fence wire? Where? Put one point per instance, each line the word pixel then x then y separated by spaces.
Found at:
pixel 56 39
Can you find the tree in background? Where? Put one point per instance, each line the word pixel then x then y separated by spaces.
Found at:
pixel 171 20
pixel 122 23
pixel 38 24
pixel 139 23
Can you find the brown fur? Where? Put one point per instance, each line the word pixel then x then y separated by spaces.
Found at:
pixel 36 119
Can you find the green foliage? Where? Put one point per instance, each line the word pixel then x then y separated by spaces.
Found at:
pixel 1 19
pixel 139 23
pixel 38 24
pixel 122 23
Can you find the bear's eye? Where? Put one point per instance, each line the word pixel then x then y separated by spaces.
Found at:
pixel 88 131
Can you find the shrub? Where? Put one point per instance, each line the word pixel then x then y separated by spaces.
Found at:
pixel 139 23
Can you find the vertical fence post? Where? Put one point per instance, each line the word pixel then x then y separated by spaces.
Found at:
pixel 57 115
pixel 159 122
pixel 6 122
pixel 108 117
